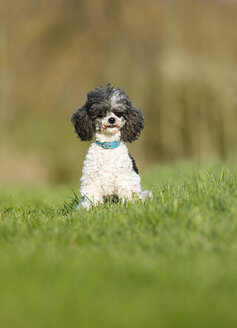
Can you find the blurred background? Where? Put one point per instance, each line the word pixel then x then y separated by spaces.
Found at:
pixel 177 60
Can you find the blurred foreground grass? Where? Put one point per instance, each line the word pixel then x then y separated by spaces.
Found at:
pixel 171 262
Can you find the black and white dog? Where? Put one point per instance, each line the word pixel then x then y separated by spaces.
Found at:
pixel 109 171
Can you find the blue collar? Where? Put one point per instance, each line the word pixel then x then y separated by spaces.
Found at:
pixel 108 145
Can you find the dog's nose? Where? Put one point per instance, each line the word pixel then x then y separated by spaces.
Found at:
pixel 111 120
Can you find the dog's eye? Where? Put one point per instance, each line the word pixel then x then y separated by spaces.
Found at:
pixel 118 114
pixel 100 115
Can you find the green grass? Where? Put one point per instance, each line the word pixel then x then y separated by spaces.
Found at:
pixel 171 262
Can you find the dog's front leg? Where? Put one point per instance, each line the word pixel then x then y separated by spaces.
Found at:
pixel 84 203
pixel 91 196
pixel 124 191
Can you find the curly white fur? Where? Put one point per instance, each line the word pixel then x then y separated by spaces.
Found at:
pixel 108 172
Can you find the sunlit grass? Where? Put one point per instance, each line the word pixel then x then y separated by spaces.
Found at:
pixel 170 262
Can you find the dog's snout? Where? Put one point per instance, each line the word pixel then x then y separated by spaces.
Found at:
pixel 111 120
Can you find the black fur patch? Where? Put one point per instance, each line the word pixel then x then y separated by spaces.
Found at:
pixel 111 198
pixel 134 166
pixel 134 124
pixel 83 125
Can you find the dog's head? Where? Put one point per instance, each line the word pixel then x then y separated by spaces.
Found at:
pixel 108 110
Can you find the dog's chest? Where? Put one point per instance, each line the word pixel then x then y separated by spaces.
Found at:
pixel 111 162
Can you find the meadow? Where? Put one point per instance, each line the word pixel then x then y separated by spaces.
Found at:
pixel 170 262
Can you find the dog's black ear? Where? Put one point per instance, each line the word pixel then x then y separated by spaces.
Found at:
pixel 83 124
pixel 133 126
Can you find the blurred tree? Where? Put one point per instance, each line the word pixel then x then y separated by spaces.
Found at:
pixel 176 60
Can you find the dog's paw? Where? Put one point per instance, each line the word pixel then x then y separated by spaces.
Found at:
pixel 79 206
pixel 83 205
pixel 146 194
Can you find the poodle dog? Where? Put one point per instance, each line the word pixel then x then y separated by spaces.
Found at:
pixel 109 171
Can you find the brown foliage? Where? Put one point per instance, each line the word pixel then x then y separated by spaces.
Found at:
pixel 175 59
